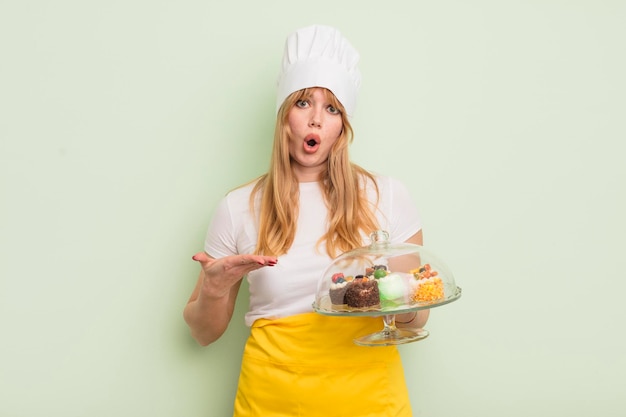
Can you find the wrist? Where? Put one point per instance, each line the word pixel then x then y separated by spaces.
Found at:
pixel 410 319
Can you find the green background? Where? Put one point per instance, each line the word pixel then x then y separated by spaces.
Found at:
pixel 123 122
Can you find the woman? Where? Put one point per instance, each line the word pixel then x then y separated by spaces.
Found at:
pixel 283 230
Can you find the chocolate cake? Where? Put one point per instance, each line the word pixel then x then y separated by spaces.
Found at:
pixel 362 292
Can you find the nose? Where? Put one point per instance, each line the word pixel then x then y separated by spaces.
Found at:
pixel 316 119
pixel 316 116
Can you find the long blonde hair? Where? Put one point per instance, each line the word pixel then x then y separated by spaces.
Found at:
pixel 344 189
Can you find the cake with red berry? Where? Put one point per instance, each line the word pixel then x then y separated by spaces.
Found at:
pixel 338 288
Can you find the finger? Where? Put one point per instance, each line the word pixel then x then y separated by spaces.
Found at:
pixel 201 257
pixel 258 260
pixel 245 262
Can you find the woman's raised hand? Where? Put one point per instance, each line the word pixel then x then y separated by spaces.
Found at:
pixel 222 273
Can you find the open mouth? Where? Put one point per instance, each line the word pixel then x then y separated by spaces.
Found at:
pixel 311 141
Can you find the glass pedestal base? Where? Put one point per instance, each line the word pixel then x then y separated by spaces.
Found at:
pixel 391 335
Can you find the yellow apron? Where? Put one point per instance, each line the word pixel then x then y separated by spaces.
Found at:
pixel 308 365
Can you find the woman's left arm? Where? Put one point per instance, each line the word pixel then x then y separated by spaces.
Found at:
pixel 415 319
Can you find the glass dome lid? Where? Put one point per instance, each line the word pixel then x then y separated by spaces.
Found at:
pixel 385 279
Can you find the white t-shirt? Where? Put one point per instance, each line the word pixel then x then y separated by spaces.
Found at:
pixel 289 287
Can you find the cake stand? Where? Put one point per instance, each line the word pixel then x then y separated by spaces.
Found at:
pixel 402 260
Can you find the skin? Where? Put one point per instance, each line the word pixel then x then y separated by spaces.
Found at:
pixel 212 302
pixel 315 126
pixel 313 120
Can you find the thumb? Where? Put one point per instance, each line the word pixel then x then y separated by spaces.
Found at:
pixel 201 257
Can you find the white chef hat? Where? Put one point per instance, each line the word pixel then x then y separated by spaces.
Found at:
pixel 319 56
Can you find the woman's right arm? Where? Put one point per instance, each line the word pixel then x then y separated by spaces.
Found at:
pixel 212 301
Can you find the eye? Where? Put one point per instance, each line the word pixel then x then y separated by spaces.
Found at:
pixel 302 104
pixel 332 110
